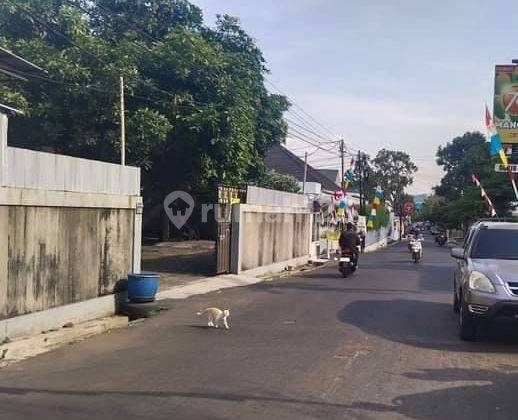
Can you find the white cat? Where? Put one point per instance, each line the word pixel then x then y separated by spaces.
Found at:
pixel 216 315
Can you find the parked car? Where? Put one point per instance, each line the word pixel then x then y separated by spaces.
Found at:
pixel 486 277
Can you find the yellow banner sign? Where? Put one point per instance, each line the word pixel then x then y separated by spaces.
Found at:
pixel 506 103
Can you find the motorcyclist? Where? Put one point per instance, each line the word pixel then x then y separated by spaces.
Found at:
pixel 362 240
pixel 350 239
pixel 441 239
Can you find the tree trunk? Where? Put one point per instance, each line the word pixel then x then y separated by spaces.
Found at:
pixel 165 231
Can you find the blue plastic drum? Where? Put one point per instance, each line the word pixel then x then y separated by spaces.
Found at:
pixel 142 287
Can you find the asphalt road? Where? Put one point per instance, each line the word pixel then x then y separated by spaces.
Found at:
pixel 382 344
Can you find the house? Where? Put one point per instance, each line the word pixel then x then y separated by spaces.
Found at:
pixel 321 186
pixel 281 160
pixel 17 67
pixel 332 174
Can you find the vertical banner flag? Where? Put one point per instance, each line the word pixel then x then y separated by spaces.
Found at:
pixel 485 197
pixel 378 195
pixel 496 143
pixel 349 175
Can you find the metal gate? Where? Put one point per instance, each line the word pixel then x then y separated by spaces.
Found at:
pixel 223 239
pixel 227 196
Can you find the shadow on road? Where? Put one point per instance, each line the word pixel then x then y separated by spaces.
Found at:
pixel 280 288
pixel 423 324
pixel 490 396
pixel 219 396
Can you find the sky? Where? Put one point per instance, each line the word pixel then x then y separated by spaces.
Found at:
pixel 405 75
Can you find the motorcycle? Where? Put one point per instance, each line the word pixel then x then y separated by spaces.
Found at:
pixel 441 240
pixel 411 238
pixel 417 249
pixel 347 263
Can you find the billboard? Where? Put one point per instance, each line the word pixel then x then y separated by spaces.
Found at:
pixel 505 108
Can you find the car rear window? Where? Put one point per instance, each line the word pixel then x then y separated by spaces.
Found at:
pixel 496 244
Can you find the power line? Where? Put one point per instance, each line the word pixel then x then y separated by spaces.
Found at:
pixel 299 107
pixel 302 127
pixel 308 124
pixel 292 135
pixel 298 134
pixel 46 24
pixel 307 137
pixel 91 88
pixel 313 128
pixel 137 27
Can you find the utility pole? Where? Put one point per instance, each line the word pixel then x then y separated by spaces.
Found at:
pixel 360 170
pixel 400 205
pixel 123 123
pixel 342 147
pixel 305 172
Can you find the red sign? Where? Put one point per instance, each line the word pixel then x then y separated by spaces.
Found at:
pixel 408 208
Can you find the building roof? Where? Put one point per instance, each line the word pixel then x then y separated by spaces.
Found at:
pixel 17 66
pixel 331 174
pixel 281 160
pixel 9 111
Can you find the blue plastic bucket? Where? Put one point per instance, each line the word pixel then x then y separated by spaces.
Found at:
pixel 142 287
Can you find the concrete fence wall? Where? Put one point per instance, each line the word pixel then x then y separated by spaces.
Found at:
pixel 40 170
pixel 267 239
pixel 70 229
pixel 377 239
pixel 267 197
pixel 53 256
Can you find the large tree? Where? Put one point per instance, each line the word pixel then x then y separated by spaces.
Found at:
pixel 463 156
pixel 364 176
pixel 458 202
pixel 197 110
pixel 394 172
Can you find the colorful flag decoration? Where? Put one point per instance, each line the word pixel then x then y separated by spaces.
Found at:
pixel 376 202
pixel 349 175
pixel 495 147
pixel 483 194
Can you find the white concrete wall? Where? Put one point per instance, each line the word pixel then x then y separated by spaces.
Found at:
pixel 267 239
pixel 266 197
pixel 70 228
pixel 3 149
pixel 48 171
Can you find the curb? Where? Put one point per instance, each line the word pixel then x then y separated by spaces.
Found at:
pixel 25 347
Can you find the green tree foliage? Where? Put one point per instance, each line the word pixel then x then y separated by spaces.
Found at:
pixel 197 110
pixel 457 202
pixel 459 159
pixel 276 181
pixel 363 170
pixel 434 210
pixel 394 172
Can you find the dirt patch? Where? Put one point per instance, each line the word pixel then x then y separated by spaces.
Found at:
pixel 179 263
